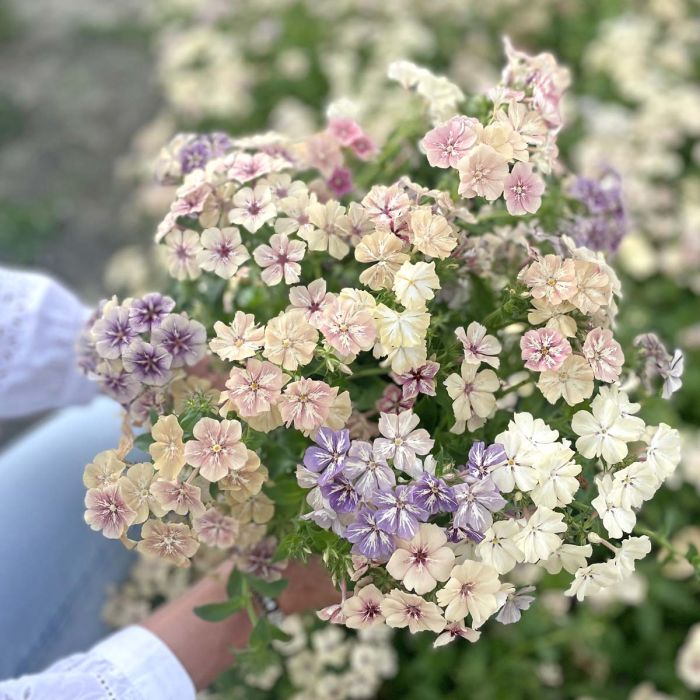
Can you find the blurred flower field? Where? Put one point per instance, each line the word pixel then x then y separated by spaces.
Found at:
pixel 83 133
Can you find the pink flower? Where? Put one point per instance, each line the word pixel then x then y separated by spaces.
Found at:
pixel 523 190
pixel 551 279
pixel 340 182
pixel 386 205
pixel 604 354
pixel 108 511
pixel 245 167
pixel 392 400
pixel 280 259
pixel 364 148
pixel 544 349
pixel 324 154
pixel 418 381
pixel 347 328
pixel 256 388
pixel 217 448
pixel 216 529
pixel 307 403
pixel 312 299
pixel 344 130
pixel 482 172
pixel 447 144
pixel 178 496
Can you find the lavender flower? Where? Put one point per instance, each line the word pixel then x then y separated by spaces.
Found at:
pixel 327 457
pixel 113 332
pixel 483 460
pixel 183 338
pixel 397 513
pixel 478 498
pixel 341 494
pixel 118 383
pixel 658 361
pixel 515 603
pixel 434 495
pixel 146 313
pixel 457 534
pixel 369 539
pixel 370 472
pixel 149 363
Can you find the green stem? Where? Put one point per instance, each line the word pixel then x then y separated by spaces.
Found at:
pixel 369 372
pixel 515 387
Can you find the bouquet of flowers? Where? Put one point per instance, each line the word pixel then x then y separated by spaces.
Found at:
pixel 399 358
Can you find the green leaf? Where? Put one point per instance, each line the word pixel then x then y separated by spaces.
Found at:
pixel 234 585
pixel 143 442
pixel 270 589
pixel 215 612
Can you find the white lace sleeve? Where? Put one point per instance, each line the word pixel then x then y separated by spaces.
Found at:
pixel 130 665
pixel 40 322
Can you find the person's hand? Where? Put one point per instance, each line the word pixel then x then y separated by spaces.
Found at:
pixel 309 587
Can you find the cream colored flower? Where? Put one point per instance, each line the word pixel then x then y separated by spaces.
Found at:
pixel 173 542
pixel 432 234
pixel 414 284
pixel 471 590
pixel 135 487
pixel 105 469
pixel 239 340
pixel 245 482
pixel 553 316
pixel 385 250
pixel 407 610
pixel 573 381
pixel 258 509
pixel 168 450
pixel 401 329
pixel 472 391
pixel 498 548
pixel 592 287
pixel 290 340
pixel 363 609
pixel 328 220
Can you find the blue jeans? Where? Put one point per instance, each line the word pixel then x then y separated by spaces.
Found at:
pixel 54 570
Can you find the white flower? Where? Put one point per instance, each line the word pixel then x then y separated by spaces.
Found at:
pixel 688 659
pixel 557 481
pixel 471 590
pixel 616 518
pixel 364 608
pixel 498 548
pixel 414 284
pixel 252 207
pixel 407 610
pixel 535 431
pixel 401 329
pixel 423 561
pixel 472 391
pixel 401 442
pixel 518 470
pixel 630 550
pixel 664 451
pixel 478 346
pixel 539 538
pixel 606 431
pixel 569 557
pixel 456 630
pixel 634 484
pixel 592 579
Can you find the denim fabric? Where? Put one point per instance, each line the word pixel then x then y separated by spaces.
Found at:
pixel 54 570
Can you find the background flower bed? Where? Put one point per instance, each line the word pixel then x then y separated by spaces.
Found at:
pixel 628 59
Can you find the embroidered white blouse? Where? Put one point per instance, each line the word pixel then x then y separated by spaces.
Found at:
pixel 40 321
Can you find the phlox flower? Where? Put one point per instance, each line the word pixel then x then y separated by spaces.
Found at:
pixel 216 529
pixel 400 440
pixel 108 511
pixel 498 549
pixel 364 147
pixel 363 609
pixel 483 460
pixel 403 359
pixel 256 388
pixel 386 251
pixel 592 579
pixel 604 354
pixel 447 144
pixel 573 381
pixel 593 288
pixel 544 349
pixel 608 503
pixel 355 224
pixel 113 332
pixel 177 496
pixel 401 329
pixel 252 208
pixel 557 482
pixel 283 186
pixel 456 630
pixel 172 542
pixel 553 316
pixel 369 471
pixel 326 234
pixel 105 469
pixel 516 602
pixel 296 209
pixel 535 431
pixel 217 448
pixel 434 495
pixel 432 234
pixel 290 340
pixel 182 252
pixel 347 328
pixel 569 557
pixel 482 172
pixel 539 539
pixel 340 182
pixel 605 432
pixel 663 453
pixel 182 338
pixel 280 259
pixel 245 482
pixel 424 560
pixel 344 130
pixel 306 403
pixel 472 392
pixel 327 457
pixel 369 539
pixel 478 345
pixel 397 512
pixel 222 251
pixel 239 340
pixel 341 494
pixel 312 299
pixel 501 136
pixel 523 190
pixel 634 484
pixel 477 500
pixel 414 284
pixel 471 590
pixel 245 167
pixel 517 469
pixel 392 400
pixel 149 363
pixel 631 549
pixel 407 610
pixel 386 206
pixel 420 380
pixel 146 313
pixel 135 487
pixel 167 448
pixel 323 153
pixel 551 279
